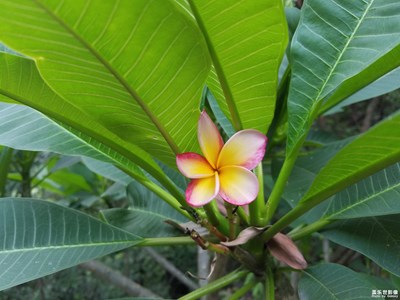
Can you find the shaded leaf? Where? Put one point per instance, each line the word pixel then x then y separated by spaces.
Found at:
pixel 376 237
pixel 146 215
pixel 40 238
pixel 106 170
pixel 334 41
pixel 370 152
pixel 369 75
pixel 376 195
pixel 387 83
pixel 333 282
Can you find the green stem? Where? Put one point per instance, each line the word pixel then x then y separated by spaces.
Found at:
pixel 243 216
pixel 215 285
pixel 236 122
pixel 212 213
pixel 243 290
pixel 257 206
pixel 167 197
pixel 167 241
pixel 313 227
pixel 280 184
pixel 232 221
pixel 284 221
pixel 269 285
pixel 215 218
pixel 5 162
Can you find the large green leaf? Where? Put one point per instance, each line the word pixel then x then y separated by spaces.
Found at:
pixel 371 75
pixel 76 133
pixel 334 282
pixel 26 129
pixel 336 40
pixel 303 174
pixel 39 238
pixel 385 84
pixel 146 216
pixel 139 70
pixel 247 40
pixel 376 237
pixel 370 152
pixel 374 196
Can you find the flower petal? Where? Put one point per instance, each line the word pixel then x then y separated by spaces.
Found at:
pixel 246 148
pixel 210 140
pixel 193 165
pixel 201 191
pixel 239 186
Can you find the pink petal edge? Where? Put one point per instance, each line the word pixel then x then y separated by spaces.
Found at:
pixel 252 156
pixel 185 160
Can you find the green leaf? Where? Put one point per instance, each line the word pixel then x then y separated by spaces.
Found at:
pixel 146 215
pixel 20 81
pixel 376 237
pixel 246 40
pixel 219 115
pixel 385 84
pixel 139 70
pixel 336 40
pixel 370 152
pixel 374 196
pixel 370 75
pixel 106 170
pixel 39 238
pixel 333 282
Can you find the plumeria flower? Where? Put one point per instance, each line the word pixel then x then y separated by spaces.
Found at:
pixel 225 169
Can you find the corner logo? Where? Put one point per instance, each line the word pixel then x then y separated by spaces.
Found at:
pixel 388 294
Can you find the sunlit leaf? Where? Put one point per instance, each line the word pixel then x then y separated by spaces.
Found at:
pixel 139 70
pixel 247 40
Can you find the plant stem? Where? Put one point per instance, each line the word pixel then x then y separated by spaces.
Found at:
pixel 309 229
pixel 269 285
pixel 257 206
pixel 243 216
pixel 215 285
pixel 215 217
pixel 243 290
pixel 280 184
pixel 166 241
pixel 167 197
pixel 232 221
pixel 5 162
pixel 284 221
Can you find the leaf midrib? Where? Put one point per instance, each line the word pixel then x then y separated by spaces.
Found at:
pixel 366 199
pixel 131 242
pixel 349 40
pixel 118 76
pixel 322 285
